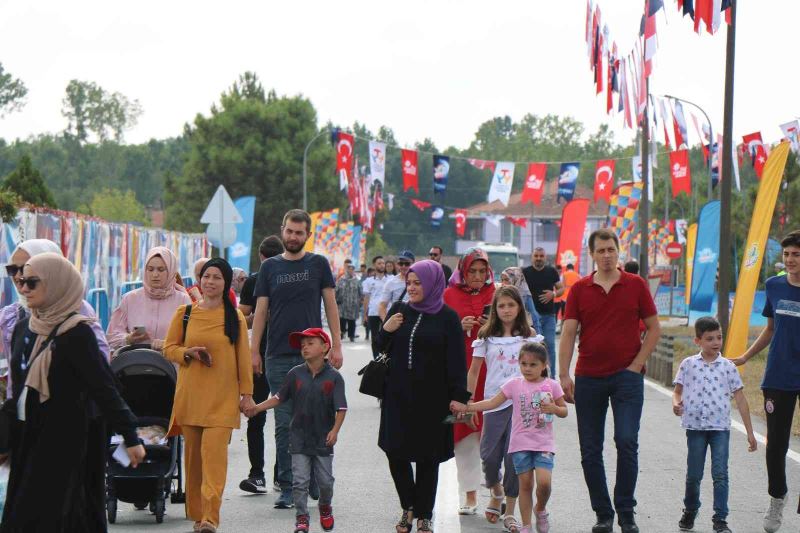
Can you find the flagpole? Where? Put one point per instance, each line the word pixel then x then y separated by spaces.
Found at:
pixel 644 208
pixel 726 155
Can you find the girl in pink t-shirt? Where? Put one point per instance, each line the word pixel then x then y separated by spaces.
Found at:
pixel 535 399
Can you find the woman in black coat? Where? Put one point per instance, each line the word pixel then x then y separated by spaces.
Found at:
pixel 63 389
pixel 427 370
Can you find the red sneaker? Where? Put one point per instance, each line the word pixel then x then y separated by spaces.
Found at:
pixel 326 517
pixel 301 524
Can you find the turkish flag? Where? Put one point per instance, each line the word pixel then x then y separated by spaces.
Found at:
pixel 345 147
pixel 518 221
pixel 461 222
pixel 410 174
pixel 757 151
pixel 679 170
pixel 604 179
pixel 419 204
pixel 534 183
pixel 482 164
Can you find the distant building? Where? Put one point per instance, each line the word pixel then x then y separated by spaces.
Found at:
pixel 542 228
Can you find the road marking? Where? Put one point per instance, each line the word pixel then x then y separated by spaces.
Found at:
pixel 791 454
pixel 445 514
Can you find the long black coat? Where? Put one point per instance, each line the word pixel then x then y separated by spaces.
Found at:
pixel 58 454
pixel 417 399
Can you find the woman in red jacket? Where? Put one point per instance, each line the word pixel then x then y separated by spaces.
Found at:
pixel 470 289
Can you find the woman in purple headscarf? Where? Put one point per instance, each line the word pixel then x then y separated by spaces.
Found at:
pixel 427 370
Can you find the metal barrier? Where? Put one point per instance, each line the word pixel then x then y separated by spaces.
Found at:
pixel 98 298
pixel 127 287
pixel 661 361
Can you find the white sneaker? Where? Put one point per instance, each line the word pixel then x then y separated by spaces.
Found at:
pixel 774 515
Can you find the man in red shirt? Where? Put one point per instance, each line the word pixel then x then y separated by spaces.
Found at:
pixel 607 305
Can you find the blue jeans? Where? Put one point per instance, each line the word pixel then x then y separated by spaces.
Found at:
pixel 697 442
pixel 548 323
pixel 531 309
pixel 625 391
pixel 277 367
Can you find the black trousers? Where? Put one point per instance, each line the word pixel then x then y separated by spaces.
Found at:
pixel 255 427
pixel 419 494
pixel 779 407
pixel 348 326
pixel 374 323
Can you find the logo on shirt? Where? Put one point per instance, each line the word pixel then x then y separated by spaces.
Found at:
pixel 292 278
pixel 788 308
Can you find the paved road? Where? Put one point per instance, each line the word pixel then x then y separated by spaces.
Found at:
pixel 365 500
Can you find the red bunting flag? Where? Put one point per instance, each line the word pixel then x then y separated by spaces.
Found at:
pixel 481 164
pixel 345 147
pixel 757 151
pixel 573 226
pixel 517 221
pixel 461 222
pixel 419 204
pixel 679 170
pixel 604 180
pixel 410 174
pixel 534 183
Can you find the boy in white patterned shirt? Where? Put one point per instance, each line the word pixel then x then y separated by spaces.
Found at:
pixel 702 398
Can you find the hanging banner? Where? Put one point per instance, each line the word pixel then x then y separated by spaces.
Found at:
pixel 502 180
pixel 356 252
pixel 679 170
pixel 570 240
pixel 410 175
pixel 681 228
pixel 344 159
pixel 441 168
pixel 518 221
pixel 691 241
pixel 480 164
pixel 419 204
pixel 604 180
pixel 461 222
pixel 791 130
pixel 377 162
pixel 636 167
pixel 679 125
pixel 534 183
pixel 239 252
pixel 567 180
pixel 757 151
pixel 736 341
pixel 706 259
pixel 437 214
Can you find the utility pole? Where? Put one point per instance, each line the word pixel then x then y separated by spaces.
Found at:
pixel 726 157
pixel 644 205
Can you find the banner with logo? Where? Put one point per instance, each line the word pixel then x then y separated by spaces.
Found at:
pixel 441 169
pixel 691 241
pixel 410 174
pixel 679 170
pixel 570 240
pixel 567 180
pixel 736 341
pixel 502 180
pixel 706 259
pixel 437 214
pixel 534 183
pixel 377 162
pixel 239 251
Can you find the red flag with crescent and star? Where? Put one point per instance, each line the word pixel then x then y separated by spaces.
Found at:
pixel 410 174
pixel 419 204
pixel 534 183
pixel 461 222
pixel 518 221
pixel 604 179
pixel 758 153
pixel 344 158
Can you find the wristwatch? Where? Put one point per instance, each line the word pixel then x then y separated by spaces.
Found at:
pixel 187 358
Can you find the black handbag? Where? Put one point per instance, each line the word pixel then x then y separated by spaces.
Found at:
pixel 373 376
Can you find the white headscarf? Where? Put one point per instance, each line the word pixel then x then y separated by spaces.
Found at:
pixel 34 247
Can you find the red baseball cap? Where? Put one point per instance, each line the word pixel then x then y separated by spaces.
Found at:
pixel 294 338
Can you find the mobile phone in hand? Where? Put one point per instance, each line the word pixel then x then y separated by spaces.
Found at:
pixel 486 310
pixel 453 419
pixel 140 330
pixel 205 357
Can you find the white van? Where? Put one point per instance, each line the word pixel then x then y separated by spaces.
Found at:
pixel 501 256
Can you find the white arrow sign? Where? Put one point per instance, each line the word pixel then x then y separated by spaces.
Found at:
pixel 221 210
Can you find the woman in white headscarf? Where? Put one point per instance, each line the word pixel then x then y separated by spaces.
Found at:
pixel 11 314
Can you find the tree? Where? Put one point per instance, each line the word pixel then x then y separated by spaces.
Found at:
pixel 26 182
pixel 12 92
pixel 117 206
pixel 90 108
pixel 8 205
pixel 253 144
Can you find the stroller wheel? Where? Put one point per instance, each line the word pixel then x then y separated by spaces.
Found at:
pixel 159 510
pixel 111 509
pixel 140 505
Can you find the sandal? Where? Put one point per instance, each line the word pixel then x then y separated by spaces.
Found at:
pixel 404 525
pixel 468 510
pixel 494 510
pixel 510 524
pixel 423 525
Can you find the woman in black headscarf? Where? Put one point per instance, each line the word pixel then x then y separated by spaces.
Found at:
pixel 215 382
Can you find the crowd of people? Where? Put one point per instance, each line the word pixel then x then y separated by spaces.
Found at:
pixel 471 367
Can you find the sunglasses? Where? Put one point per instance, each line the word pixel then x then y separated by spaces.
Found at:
pixel 12 269
pixel 433 255
pixel 30 282
pixel 403 264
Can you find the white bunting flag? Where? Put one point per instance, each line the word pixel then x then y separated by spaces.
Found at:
pixel 377 162
pixel 502 181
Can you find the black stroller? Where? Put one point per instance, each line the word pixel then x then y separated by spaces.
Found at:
pixel 148 386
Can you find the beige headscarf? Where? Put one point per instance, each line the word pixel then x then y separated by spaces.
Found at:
pixel 63 288
pixel 170 286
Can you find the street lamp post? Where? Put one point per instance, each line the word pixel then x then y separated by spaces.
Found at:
pixel 710 134
pixel 305 156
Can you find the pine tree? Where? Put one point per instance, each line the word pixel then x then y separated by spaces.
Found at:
pixel 27 183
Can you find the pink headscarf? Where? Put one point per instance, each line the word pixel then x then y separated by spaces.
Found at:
pixel 171 261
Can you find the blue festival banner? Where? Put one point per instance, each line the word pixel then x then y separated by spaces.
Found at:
pixel 239 252
pixel 441 169
pixel 706 259
pixel 356 256
pixel 567 180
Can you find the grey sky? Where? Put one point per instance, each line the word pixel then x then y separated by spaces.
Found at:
pixel 427 69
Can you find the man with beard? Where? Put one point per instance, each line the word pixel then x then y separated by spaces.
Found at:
pixel 545 285
pixel 289 290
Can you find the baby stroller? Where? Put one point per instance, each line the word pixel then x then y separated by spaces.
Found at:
pixel 148 386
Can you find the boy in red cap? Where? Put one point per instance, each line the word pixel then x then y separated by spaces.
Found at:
pixel 319 409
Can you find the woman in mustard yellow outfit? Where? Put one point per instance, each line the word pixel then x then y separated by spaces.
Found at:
pixel 215 383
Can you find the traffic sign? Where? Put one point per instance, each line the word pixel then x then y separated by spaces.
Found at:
pixel 220 209
pixel 674 250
